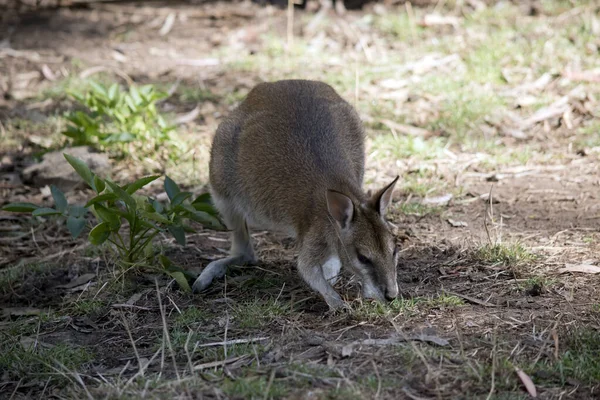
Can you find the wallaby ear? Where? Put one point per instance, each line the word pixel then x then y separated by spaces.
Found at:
pixel 340 207
pixel 383 197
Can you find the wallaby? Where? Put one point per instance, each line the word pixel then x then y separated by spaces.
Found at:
pixel 291 158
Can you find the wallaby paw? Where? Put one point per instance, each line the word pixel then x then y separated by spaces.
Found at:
pixel 337 307
pixel 215 269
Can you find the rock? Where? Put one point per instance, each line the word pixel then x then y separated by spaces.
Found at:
pixel 55 170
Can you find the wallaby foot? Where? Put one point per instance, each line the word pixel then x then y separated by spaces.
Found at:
pixel 242 251
pixel 217 269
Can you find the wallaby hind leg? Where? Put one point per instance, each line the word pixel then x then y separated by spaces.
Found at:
pixel 241 251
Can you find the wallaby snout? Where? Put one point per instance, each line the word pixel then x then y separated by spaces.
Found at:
pixel 291 158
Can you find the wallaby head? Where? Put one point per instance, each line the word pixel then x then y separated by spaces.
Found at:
pixel 366 242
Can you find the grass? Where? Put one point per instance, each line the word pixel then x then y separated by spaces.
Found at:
pixel 195 94
pixel 15 275
pixel 87 306
pixel 254 387
pixel 259 312
pixel 19 358
pixel 417 209
pixel 508 254
pixel 462 105
pixel 44 132
pixel 401 147
pixel 405 307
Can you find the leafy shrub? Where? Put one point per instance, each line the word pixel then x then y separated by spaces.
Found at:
pixel 126 121
pixel 146 217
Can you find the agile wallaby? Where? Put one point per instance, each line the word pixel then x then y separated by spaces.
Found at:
pixel 291 158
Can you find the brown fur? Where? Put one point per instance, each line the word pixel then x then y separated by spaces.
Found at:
pixel 291 157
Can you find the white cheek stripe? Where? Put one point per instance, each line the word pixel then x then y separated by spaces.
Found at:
pixel 331 269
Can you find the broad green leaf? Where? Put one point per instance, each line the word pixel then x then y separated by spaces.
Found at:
pixel 180 198
pixel 82 169
pixel 99 233
pixel 99 89
pixel 178 273
pixel 165 261
pixel 181 280
pixel 108 216
pixel 103 197
pixel 99 184
pixel 77 211
pixel 135 94
pixel 42 212
pixel 147 224
pixel 123 137
pixel 203 198
pixel 113 91
pixel 205 219
pixel 155 217
pixel 178 233
pixel 20 207
pixel 171 188
pixel 123 195
pixel 130 216
pixel 131 103
pixel 206 207
pixel 158 207
pixel 75 225
pixel 60 201
pixel 140 183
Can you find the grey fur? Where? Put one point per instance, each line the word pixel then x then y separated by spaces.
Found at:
pixel 287 159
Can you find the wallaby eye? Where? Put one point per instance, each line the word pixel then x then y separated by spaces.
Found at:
pixel 363 259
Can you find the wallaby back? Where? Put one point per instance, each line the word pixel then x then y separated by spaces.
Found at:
pixel 286 144
pixel 291 158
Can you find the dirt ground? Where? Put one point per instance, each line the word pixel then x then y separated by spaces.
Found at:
pixel 490 114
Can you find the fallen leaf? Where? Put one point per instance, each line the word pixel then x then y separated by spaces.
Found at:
pixel 347 350
pixel 20 311
pixel 169 21
pixel 457 224
pixel 82 280
pixel 437 19
pixel 47 72
pixel 134 298
pixel 188 117
pixel 406 129
pixel 527 382
pixel 584 268
pixel 431 339
pixel 439 200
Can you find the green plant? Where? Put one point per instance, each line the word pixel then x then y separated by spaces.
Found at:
pixel 145 217
pixel 127 121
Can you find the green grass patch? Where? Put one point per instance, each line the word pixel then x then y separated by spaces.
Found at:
pixel 189 94
pixel 190 317
pixel 21 359
pixel 401 146
pixel 580 362
pixel 86 306
pixel 509 254
pixel 417 209
pixel 255 387
pixel 258 313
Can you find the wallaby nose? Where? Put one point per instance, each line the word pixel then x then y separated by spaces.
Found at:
pixel 391 293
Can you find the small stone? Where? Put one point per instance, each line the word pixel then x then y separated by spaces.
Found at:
pixel 55 170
